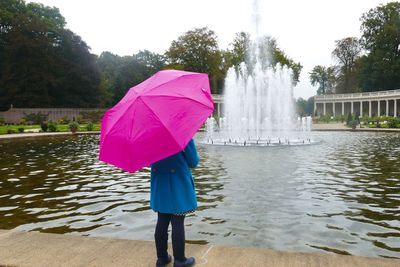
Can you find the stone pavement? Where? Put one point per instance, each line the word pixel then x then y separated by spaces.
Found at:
pixel 41 250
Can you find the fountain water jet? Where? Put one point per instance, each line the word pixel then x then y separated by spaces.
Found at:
pixel 258 101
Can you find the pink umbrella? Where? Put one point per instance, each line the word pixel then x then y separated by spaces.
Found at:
pixel 155 119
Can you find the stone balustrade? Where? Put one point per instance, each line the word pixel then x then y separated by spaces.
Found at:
pixel 15 115
pixel 377 103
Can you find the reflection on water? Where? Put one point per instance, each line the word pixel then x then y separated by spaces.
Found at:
pixel 340 196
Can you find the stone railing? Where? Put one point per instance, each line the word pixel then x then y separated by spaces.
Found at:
pixel 218 98
pixel 366 95
pixel 15 115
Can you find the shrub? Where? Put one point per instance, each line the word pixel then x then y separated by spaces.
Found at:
pixel 393 122
pixel 79 119
pixel 21 129
pixel 63 120
pixel 73 126
pixel 44 126
pixel 89 126
pixel 2 121
pixel 10 131
pixel 353 124
pixel 36 118
pixel 349 119
pixel 325 118
pixel 52 126
pixel 92 116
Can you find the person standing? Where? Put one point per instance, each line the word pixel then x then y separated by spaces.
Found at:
pixel 172 196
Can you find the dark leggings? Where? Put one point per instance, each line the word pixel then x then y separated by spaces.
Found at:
pixel 178 235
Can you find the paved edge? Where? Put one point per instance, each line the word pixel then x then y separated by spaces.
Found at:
pixel 42 249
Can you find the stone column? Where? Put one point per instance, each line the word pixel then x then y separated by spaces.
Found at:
pixel 315 108
pixel 387 107
pixel 361 109
pixel 379 108
pixel 395 108
pixel 352 107
pixel 369 108
pixel 324 108
pixel 342 108
pixel 333 109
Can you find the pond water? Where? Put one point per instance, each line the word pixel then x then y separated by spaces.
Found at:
pixel 339 196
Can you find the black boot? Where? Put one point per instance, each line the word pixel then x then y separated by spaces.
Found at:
pixel 186 263
pixel 163 261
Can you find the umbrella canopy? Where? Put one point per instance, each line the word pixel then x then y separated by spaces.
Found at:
pixel 155 119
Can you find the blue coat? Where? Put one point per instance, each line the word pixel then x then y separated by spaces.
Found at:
pixel 172 186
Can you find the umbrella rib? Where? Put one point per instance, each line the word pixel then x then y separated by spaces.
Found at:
pixel 180 96
pixel 176 78
pixel 165 127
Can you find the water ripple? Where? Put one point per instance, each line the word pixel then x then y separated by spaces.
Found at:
pixel 341 196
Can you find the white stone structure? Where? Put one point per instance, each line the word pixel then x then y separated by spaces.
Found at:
pixel 218 101
pixel 14 115
pixel 380 103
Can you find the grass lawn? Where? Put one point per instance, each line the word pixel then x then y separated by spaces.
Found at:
pixel 60 128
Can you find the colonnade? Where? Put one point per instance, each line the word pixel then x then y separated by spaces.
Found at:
pixel 381 103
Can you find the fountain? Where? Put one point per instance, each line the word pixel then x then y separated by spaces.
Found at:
pixel 258 103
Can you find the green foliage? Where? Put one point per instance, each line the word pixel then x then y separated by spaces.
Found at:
pixel 240 49
pixel 380 68
pixel 324 78
pixel 43 64
pixel 305 107
pixel 347 52
pixel 270 55
pixel 325 118
pixel 73 126
pixel 10 131
pixel 365 119
pixel 2 121
pixel 64 120
pixel 310 106
pixel 349 119
pixel 301 106
pixel 79 119
pixel 21 129
pixel 353 124
pixel 92 116
pixel 393 122
pixel 44 126
pixel 52 126
pixel 35 118
pixel 197 50
pixel 118 74
pixel 89 126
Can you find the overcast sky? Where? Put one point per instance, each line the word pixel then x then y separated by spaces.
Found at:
pixel 305 30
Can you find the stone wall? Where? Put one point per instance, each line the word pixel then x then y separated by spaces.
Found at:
pixel 14 115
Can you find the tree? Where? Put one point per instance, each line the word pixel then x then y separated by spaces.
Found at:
pixel 324 78
pixel 118 74
pixel 240 48
pixel 310 106
pixel 305 107
pixel 301 106
pixel 153 62
pixel 197 50
pixel 42 64
pixel 380 68
pixel 346 53
pixel 267 50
